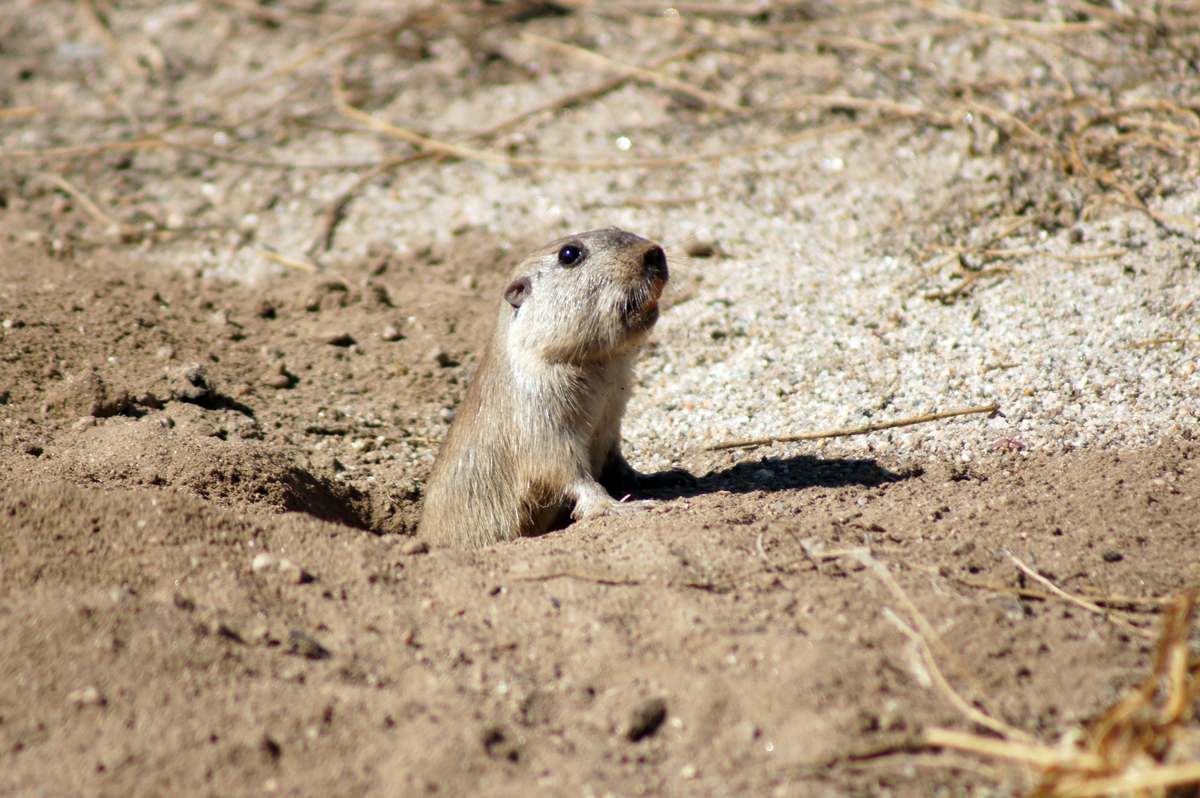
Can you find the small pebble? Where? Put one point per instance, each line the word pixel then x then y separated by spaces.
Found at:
pixel 219 319
pixel 89 696
pixel 222 629
pixel 415 546
pixel 391 333
pixel 1112 556
pixel 467 282
pixel 336 338
pixel 439 356
pixel 165 353
pixel 375 296
pixel 305 646
pixel 276 380
pixel 267 563
pixel 147 399
pixel 966 547
pixel 86 422
pixel 646 718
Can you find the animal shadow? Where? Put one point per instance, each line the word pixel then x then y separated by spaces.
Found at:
pixel 777 474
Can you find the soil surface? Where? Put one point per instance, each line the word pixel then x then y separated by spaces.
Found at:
pixel 211 478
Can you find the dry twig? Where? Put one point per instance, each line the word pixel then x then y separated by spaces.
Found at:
pixel 847 431
pixel 1087 605
pixel 1145 745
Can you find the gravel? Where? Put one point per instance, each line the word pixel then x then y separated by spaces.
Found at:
pixel 790 340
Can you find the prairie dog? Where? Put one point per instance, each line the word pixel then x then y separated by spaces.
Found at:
pixel 538 434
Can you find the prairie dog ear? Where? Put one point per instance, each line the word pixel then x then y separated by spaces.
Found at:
pixel 518 291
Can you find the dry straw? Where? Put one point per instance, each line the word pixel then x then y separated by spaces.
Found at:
pixel 1097 111
pixel 1147 744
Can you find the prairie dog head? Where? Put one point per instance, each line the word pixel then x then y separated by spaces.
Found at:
pixel 585 297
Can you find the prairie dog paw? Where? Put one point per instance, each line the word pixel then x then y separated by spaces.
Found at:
pixel 591 500
pixel 612 507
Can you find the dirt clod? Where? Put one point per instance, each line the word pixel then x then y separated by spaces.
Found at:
pixel 646 718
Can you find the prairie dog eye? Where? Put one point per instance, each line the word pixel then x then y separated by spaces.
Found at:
pixel 570 255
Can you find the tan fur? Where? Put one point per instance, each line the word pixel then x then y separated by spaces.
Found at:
pixel 540 425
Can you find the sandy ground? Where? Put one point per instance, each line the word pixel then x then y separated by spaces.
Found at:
pixel 213 455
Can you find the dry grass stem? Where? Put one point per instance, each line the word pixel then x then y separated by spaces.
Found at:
pixel 22 112
pixel 112 227
pixel 1103 612
pixel 1157 341
pixel 304 19
pixel 294 263
pixel 928 640
pixel 1145 745
pixel 847 431
pixel 471 154
pixel 1046 28
pixel 92 17
pixel 659 79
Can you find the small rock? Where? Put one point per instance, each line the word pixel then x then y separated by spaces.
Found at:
pixel 467 282
pixel 415 546
pixel 966 547
pixel 375 296
pixel 646 718
pixel 147 399
pixel 219 319
pixel 272 353
pixel 497 745
pixel 267 563
pixel 438 355
pixel 204 429
pixel 192 384
pixel 222 629
pixel 833 569
pixel 86 422
pixel 391 333
pixel 1111 556
pixel 327 296
pixel 265 309
pixel 335 338
pixel 86 394
pixel 89 696
pixel 305 646
pixel 277 379
pixel 165 353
